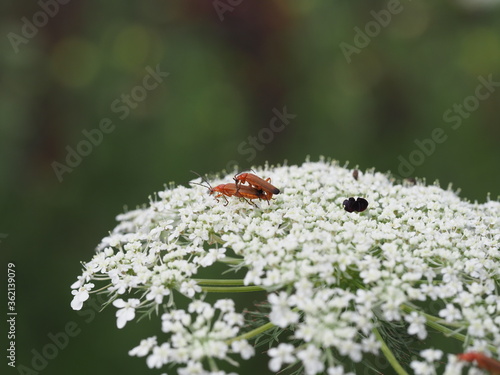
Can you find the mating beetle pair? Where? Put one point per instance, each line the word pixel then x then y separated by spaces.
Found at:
pixel 257 188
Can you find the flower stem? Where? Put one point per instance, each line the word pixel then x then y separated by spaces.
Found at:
pixel 101 289
pixel 219 281
pixel 212 364
pixel 232 289
pixel 230 260
pixel 433 322
pixel 388 354
pixel 254 332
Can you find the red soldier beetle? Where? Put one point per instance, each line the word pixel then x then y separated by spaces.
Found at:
pixel 257 183
pixel 483 362
pixel 230 190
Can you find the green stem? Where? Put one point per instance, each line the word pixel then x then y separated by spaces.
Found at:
pixel 232 289
pixel 433 322
pixel 440 328
pixel 219 281
pixel 101 289
pixel 388 354
pixel 212 364
pixel 230 260
pixel 252 333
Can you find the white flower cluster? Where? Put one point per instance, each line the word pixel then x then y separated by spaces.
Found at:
pixel 196 338
pixel 432 363
pixel 333 276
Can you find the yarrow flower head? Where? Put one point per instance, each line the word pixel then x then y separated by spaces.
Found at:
pixel 339 281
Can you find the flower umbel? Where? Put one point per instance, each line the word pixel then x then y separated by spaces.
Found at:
pixel 333 277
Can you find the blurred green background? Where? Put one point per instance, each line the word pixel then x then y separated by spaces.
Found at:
pixel 229 64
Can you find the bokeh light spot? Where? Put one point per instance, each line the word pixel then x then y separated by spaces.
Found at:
pixel 131 47
pixel 74 62
pixel 479 52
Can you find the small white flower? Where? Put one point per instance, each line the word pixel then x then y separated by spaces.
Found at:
pixel 199 307
pixel 422 368
pixel 190 288
pixel 351 349
pixel 417 325
pixel 281 314
pixel 81 280
pixel 280 355
pixel 211 257
pixel 450 313
pixel 476 328
pixel 193 368
pixel 216 349
pixel 244 348
pixel 311 359
pixel 157 292
pixel 126 310
pixel 225 305
pixel 431 355
pixel 80 296
pixel 160 356
pixel 370 345
pixel 144 347
pixel 234 319
pixel 253 276
pixel 454 366
pixel 337 370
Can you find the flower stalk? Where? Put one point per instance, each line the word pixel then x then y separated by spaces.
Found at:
pixel 388 353
pixel 232 289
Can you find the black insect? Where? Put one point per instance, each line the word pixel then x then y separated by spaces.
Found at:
pixel 355 174
pixel 358 205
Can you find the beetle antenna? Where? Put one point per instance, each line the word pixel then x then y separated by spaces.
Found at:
pixel 203 179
